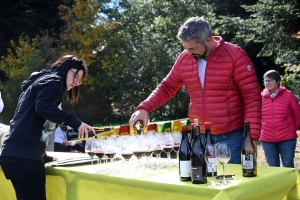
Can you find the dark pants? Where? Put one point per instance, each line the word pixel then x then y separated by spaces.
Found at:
pixel 62 148
pixel 284 149
pixel 27 176
pixel 235 140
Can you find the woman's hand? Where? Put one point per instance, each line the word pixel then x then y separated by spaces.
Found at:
pixel 66 143
pixel 83 131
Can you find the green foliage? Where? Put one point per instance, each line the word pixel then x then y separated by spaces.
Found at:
pixel 291 80
pixel 86 34
pixel 17 63
pixel 27 17
pixel 146 52
pixel 25 57
pixel 130 46
pixel 274 25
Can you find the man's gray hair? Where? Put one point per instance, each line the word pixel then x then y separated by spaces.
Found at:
pixel 195 28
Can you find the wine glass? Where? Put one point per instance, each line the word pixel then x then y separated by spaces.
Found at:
pixel 177 140
pixel 125 148
pixel 99 151
pixel 167 147
pixel 211 158
pixel 158 147
pixel 224 157
pixel 89 148
pixel 138 149
pixel 110 151
pixel 149 147
pixel 125 152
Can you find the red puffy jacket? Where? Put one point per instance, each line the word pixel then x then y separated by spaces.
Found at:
pixel 280 116
pixel 230 96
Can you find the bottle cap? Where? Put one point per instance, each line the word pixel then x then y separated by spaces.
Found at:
pixel 207 125
pixel 196 122
pixel 184 128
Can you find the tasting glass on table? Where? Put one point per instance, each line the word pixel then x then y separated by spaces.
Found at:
pixel 167 148
pixel 177 140
pixel 158 143
pixel 89 148
pixel 138 146
pixel 125 151
pixel 224 157
pixel 110 149
pixel 149 147
pixel 99 151
pixel 211 154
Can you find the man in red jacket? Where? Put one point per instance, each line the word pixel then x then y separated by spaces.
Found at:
pixel 221 83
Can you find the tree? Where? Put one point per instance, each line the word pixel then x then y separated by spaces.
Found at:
pixel 85 34
pixel 273 27
pixel 147 50
pixel 27 17
pixel 25 57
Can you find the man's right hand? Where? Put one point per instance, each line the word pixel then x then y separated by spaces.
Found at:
pixel 139 115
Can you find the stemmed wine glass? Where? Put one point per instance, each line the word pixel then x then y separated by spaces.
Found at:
pixel 110 151
pixel 177 140
pixel 149 147
pixel 224 157
pixel 167 147
pixel 124 151
pixel 138 149
pixel 211 158
pixel 125 148
pixel 158 148
pixel 99 151
pixel 89 148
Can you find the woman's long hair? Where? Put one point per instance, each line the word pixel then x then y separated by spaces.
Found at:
pixel 62 66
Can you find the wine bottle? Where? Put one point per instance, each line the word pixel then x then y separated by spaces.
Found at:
pixel 184 155
pixel 249 154
pixel 138 126
pixel 207 141
pixel 198 164
pixel 73 136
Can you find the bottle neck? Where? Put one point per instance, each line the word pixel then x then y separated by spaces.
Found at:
pixel 196 131
pixel 247 130
pixel 207 131
pixel 184 134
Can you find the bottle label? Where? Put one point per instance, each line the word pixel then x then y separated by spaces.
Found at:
pixel 185 168
pixel 209 168
pixel 248 161
pixel 197 173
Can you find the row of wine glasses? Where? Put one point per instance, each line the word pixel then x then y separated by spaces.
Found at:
pixel 215 153
pixel 139 149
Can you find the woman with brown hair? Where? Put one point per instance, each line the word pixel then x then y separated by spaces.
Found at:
pixel 24 146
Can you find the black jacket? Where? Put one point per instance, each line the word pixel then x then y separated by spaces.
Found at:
pixel 42 93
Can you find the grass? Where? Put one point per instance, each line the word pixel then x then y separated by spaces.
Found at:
pixel 261 159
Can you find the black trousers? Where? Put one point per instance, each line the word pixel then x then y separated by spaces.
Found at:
pixel 27 176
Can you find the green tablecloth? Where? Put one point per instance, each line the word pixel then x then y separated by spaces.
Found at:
pixel 73 183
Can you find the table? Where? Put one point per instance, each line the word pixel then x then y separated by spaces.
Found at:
pixel 74 183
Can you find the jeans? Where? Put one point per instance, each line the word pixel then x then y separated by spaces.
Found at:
pixel 286 150
pixel 27 176
pixel 235 141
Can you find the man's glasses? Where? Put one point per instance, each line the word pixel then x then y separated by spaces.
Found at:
pixel 268 80
pixel 76 78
